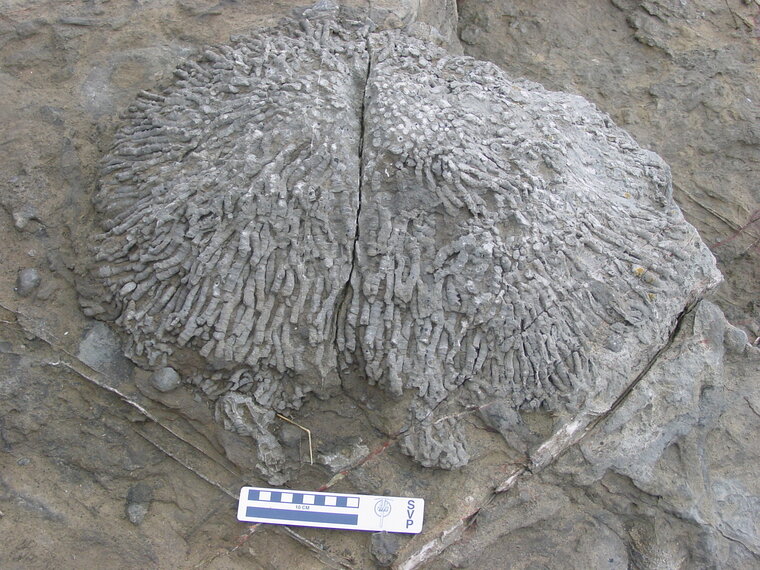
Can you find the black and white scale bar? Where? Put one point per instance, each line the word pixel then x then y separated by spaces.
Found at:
pixel 331 510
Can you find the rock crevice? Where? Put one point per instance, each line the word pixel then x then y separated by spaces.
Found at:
pixel 346 294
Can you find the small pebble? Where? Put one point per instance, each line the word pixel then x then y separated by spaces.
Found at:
pixel 384 548
pixel 22 217
pixel 27 281
pixel 136 512
pixel 165 379
pixel 735 339
pixel 139 498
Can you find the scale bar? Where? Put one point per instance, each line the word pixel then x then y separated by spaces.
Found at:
pixel 331 510
pixel 301 516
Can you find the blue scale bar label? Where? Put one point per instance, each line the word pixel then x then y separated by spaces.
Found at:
pixel 331 510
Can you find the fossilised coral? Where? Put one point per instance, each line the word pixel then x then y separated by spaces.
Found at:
pixel 229 203
pixel 322 200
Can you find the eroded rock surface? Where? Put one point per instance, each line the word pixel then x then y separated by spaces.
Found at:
pixel 323 206
pixel 667 481
pixel 681 77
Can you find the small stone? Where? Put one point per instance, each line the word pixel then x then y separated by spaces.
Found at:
pixel 23 461
pixel 166 379
pixel 27 281
pixel 735 339
pixel 101 350
pixel 23 217
pixel 290 435
pixel 139 498
pixel 136 512
pixel 384 548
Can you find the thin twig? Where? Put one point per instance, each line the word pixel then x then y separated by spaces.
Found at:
pixel 308 433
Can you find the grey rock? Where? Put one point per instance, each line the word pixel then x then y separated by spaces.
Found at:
pixel 735 339
pixel 23 216
pixel 483 253
pixel 140 493
pixel 136 512
pixel 678 438
pixel 27 281
pixel 636 61
pixel 139 498
pixel 102 350
pixel 323 199
pixel 384 547
pixel 667 404
pixel 166 379
pixel 343 454
pixel 541 525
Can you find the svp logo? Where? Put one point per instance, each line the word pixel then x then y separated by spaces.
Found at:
pixel 409 513
pixel 382 509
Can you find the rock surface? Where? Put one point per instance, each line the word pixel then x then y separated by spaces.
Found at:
pixel 664 482
pixel 681 77
pixel 74 439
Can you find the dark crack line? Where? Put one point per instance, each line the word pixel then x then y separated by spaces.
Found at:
pixel 362 137
pixel 652 361
pixel 345 295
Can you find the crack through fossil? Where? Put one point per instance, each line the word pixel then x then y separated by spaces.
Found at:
pixel 340 313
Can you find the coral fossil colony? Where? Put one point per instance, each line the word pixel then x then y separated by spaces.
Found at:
pixel 323 201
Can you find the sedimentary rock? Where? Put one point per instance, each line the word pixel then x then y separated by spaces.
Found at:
pixel 324 203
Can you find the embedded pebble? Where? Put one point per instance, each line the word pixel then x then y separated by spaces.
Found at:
pixel 139 498
pixel 735 339
pixel 23 216
pixel 27 281
pixel 166 379
pixel 384 547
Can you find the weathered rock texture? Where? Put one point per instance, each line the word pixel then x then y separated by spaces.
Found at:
pixel 667 481
pixel 671 482
pixel 322 201
pixel 681 77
